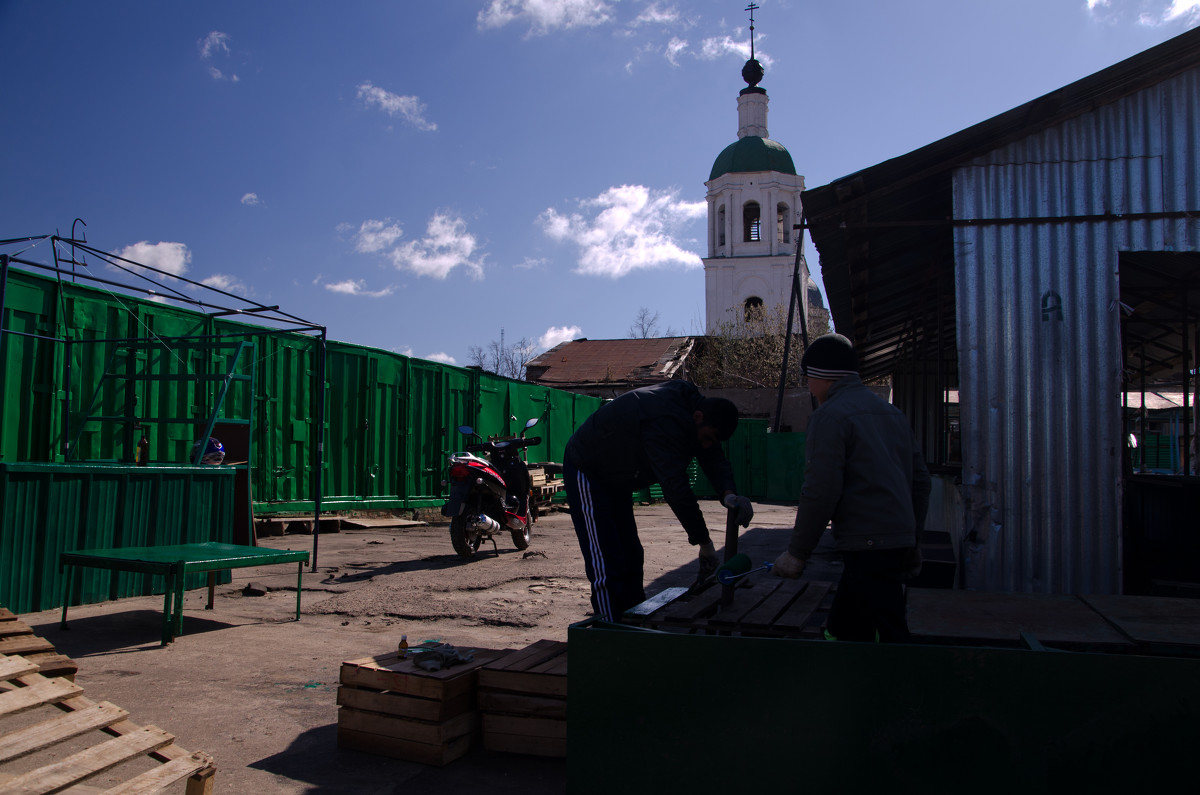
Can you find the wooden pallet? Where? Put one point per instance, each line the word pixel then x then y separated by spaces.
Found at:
pixel 16 637
pixel 391 707
pixel 71 717
pixel 523 698
pixel 770 607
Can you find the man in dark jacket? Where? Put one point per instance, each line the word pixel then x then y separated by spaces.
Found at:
pixel 646 436
pixel 863 471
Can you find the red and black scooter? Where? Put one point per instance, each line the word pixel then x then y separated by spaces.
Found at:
pixel 490 493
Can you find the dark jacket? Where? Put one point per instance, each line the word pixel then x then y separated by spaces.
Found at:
pixel 863 471
pixel 648 436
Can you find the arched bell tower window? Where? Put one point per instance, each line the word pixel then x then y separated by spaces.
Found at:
pixel 751 222
pixel 721 225
pixel 752 310
pixel 783 224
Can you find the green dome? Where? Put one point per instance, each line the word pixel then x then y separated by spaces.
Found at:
pixel 752 153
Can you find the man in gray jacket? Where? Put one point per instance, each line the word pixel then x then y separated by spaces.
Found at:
pixel 646 436
pixel 864 472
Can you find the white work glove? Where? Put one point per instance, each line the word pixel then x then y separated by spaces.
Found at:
pixel 745 511
pixel 709 561
pixel 788 565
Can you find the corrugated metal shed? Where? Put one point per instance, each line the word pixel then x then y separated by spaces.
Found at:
pixel 989 261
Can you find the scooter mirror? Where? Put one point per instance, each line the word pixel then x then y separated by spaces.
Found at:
pixel 531 423
pixel 466 430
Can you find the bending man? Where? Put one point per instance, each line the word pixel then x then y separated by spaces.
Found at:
pixel 646 436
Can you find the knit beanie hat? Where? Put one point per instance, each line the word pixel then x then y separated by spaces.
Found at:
pixel 830 357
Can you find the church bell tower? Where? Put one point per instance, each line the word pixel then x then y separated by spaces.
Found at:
pixel 753 202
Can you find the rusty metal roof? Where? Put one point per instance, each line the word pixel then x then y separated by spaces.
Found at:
pixel 885 234
pixel 633 362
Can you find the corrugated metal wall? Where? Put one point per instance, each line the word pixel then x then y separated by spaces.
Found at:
pixel 1039 332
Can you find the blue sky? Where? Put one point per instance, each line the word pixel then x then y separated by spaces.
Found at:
pixel 417 176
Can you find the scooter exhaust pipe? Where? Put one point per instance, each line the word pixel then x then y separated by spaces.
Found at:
pixel 485 524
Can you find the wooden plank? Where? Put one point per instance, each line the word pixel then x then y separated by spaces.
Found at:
pixel 533 654
pixel 53 664
pixel 154 780
pixel 762 619
pixel 7 615
pixel 14 627
pixel 389 672
pixel 39 691
pixel 88 762
pixel 517 744
pixel 796 617
pixel 24 644
pixel 408 750
pixel 12 667
pixel 745 601
pixel 501 701
pixel 61 727
pixel 403 705
pixel 1153 620
pixel 524 726
pixel 989 617
pixel 428 732
pixel 688 611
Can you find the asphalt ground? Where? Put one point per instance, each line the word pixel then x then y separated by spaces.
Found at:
pixel 256 689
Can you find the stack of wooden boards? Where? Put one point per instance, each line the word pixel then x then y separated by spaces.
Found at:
pixel 16 637
pixel 523 698
pixel 389 706
pixel 392 707
pixel 52 737
pixel 543 482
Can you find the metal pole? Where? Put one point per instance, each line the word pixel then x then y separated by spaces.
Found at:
pixel 787 340
pixel 320 452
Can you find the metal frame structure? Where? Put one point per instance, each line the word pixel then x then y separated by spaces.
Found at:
pixel 210 301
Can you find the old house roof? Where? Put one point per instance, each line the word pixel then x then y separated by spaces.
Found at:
pixel 634 362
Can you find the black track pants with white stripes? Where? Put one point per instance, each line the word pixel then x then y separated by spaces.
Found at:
pixel 612 552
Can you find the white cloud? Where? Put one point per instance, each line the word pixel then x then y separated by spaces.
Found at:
pixel 1150 13
pixel 411 109
pixel 556 334
pixel 1185 10
pixel 213 42
pixel 444 358
pixel 251 200
pixel 173 258
pixel 632 228
pixel 675 47
pixel 544 16
pixel 356 287
pixel 531 263
pixel 216 43
pixel 226 282
pixel 375 235
pixel 720 46
pixel 656 14
pixel 445 246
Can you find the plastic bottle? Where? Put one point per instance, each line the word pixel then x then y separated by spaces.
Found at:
pixel 403 649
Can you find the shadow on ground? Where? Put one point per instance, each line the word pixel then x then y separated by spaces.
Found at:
pixel 314 758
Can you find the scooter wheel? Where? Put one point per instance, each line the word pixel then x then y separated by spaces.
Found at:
pixel 520 537
pixel 466 543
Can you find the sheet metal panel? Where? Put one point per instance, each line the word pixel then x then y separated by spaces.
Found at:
pixel 1039 332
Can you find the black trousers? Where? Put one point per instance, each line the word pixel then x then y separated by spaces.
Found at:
pixel 869 604
pixel 612 552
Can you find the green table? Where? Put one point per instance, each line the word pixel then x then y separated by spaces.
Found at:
pixel 174 562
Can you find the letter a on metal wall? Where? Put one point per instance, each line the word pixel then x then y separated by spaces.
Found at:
pixel 1051 306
